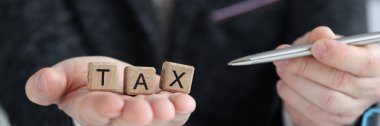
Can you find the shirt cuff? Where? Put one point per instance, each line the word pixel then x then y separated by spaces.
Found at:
pixel 286 118
pixel 76 123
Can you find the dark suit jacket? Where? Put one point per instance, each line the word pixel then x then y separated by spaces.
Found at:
pixel 40 33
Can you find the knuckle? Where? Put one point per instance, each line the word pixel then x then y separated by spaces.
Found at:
pixel 330 100
pixel 337 58
pixel 345 57
pixel 292 65
pixel 334 103
pixel 341 79
pixel 303 66
pixel 371 64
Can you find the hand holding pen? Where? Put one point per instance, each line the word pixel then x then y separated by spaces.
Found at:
pixel 334 86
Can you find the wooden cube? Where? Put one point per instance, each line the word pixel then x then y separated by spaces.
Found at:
pixel 102 76
pixel 176 77
pixel 139 80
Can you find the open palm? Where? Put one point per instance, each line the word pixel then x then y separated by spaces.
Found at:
pixel 64 84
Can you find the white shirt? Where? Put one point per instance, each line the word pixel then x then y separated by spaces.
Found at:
pixel 3 117
pixel 373 8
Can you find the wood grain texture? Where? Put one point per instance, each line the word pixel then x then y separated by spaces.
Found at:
pixel 102 76
pixel 176 77
pixel 139 80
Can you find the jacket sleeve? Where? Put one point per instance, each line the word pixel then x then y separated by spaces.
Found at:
pixel 33 35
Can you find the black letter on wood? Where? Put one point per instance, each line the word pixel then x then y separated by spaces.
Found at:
pixel 141 83
pixel 103 70
pixel 177 79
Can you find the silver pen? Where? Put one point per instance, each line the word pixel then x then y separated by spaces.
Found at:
pixel 302 50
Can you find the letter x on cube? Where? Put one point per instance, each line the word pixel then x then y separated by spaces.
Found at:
pixel 176 77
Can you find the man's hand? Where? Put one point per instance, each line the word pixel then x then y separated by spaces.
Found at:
pixel 64 84
pixel 332 87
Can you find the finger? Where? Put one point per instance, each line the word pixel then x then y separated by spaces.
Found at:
pixel 316 34
pixel 97 108
pixel 359 61
pixel 321 32
pixel 300 104
pixel 46 86
pixel 184 105
pixel 281 62
pixel 330 77
pixel 93 108
pixel 137 111
pixel 163 109
pixel 325 98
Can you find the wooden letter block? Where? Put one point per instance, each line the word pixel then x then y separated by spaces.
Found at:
pixel 102 76
pixel 139 80
pixel 176 77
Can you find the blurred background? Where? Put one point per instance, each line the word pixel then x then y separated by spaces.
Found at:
pixel 373 7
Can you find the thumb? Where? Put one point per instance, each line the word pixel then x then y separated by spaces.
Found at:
pixel 46 86
pixel 321 32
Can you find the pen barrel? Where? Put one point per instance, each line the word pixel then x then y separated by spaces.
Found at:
pixel 302 50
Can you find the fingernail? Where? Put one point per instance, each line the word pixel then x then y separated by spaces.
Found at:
pixel 320 50
pixel 41 84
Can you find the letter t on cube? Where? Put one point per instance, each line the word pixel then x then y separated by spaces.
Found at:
pixel 102 76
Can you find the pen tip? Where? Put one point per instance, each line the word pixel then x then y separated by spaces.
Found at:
pixel 237 63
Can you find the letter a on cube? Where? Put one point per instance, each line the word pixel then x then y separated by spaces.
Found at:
pixel 102 76
pixel 176 77
pixel 139 80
